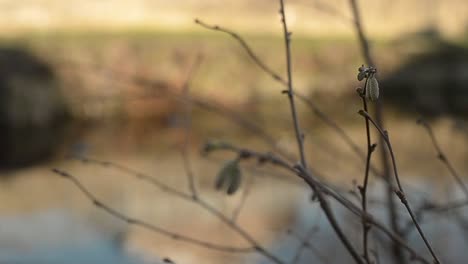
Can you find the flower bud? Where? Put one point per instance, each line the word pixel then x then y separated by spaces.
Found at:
pixel 362 73
pixel 361 76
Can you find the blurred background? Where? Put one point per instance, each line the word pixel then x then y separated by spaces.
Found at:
pixel 108 80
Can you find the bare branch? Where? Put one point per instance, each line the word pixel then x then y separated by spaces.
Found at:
pixel 188 128
pixel 300 142
pixel 275 76
pixel 431 206
pixel 247 48
pixel 99 204
pixel 368 58
pixel 365 48
pixel 198 201
pixel 400 192
pixel 306 244
pixel 363 189
pixel 290 92
pixel 443 158
pixel 155 89
pixel 313 183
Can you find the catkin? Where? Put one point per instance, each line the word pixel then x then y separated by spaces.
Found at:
pixel 372 89
pixel 235 182
pixel 229 177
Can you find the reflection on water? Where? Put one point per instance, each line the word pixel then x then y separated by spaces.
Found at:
pixel 57 237
pixel 83 234
pixel 446 231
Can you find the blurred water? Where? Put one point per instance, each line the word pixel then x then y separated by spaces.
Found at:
pixel 64 236
pixel 445 231
pixel 56 237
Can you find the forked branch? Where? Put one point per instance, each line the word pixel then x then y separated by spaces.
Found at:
pixel 300 142
pixel 400 192
pixel 314 183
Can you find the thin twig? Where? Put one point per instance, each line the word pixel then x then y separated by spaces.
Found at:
pixel 313 183
pixel 246 47
pixel 324 204
pixel 327 120
pixel 367 54
pixel 155 89
pixel 429 206
pixel 259 172
pixel 185 148
pixel 275 76
pixel 256 59
pixel 364 43
pixel 363 189
pixel 198 201
pixel 99 204
pixel 222 110
pixel 400 192
pixel 332 124
pixel 188 128
pixel 305 244
pixel 290 92
pixel 443 158
pixel 300 142
pixel 432 207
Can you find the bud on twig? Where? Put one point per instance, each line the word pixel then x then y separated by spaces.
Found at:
pixel 372 89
